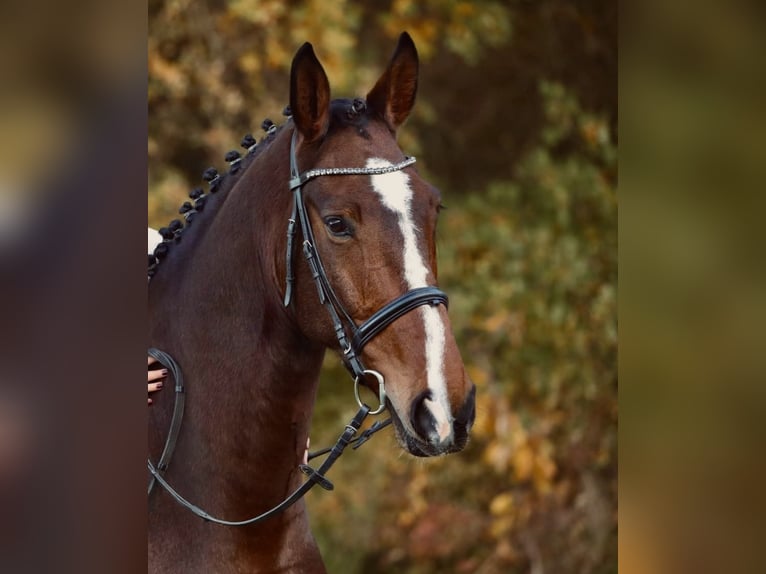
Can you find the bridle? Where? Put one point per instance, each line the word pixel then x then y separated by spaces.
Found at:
pixel 351 337
pixel 351 340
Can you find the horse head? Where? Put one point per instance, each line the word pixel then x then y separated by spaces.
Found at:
pixel 369 237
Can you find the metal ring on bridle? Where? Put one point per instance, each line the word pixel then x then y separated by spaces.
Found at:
pixel 381 390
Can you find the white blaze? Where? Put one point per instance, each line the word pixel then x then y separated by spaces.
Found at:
pixel 396 195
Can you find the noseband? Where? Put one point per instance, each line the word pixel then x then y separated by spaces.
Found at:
pixel 351 337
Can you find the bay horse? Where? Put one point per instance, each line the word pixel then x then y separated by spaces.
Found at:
pixel 321 237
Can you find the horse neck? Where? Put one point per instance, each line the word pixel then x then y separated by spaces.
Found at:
pixel 251 377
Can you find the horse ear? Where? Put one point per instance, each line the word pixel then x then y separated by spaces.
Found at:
pixel 393 96
pixel 309 94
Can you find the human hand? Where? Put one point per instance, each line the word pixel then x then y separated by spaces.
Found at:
pixel 156 377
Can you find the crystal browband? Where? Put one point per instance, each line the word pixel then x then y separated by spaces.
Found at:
pixel 312 173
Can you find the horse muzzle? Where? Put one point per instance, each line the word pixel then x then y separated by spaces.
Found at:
pixel 430 431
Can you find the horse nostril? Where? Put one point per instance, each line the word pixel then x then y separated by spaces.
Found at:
pixel 467 412
pixel 422 420
pixel 430 421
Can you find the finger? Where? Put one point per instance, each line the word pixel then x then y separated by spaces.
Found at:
pixel 156 375
pixel 152 360
pixel 150 401
pixel 306 452
pixel 155 387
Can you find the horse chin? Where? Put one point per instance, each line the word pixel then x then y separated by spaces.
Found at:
pixel 416 447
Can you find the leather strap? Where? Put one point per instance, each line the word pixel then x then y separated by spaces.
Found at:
pixel 315 476
pixel 178 411
pixel 390 312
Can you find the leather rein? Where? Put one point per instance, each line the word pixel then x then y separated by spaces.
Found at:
pixel 351 339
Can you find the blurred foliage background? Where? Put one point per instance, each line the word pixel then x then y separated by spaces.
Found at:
pixel 516 123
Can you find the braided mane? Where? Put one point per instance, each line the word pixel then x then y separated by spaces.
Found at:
pixel 345 112
pixel 216 182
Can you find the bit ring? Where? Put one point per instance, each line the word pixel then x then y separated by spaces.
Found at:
pixel 381 390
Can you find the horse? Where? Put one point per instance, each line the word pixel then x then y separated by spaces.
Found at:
pixel 322 236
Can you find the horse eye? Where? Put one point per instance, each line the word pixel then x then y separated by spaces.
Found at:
pixel 337 226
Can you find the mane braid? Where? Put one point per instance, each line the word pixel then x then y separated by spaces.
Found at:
pixel 219 183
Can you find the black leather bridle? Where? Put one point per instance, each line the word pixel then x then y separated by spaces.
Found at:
pixel 351 337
